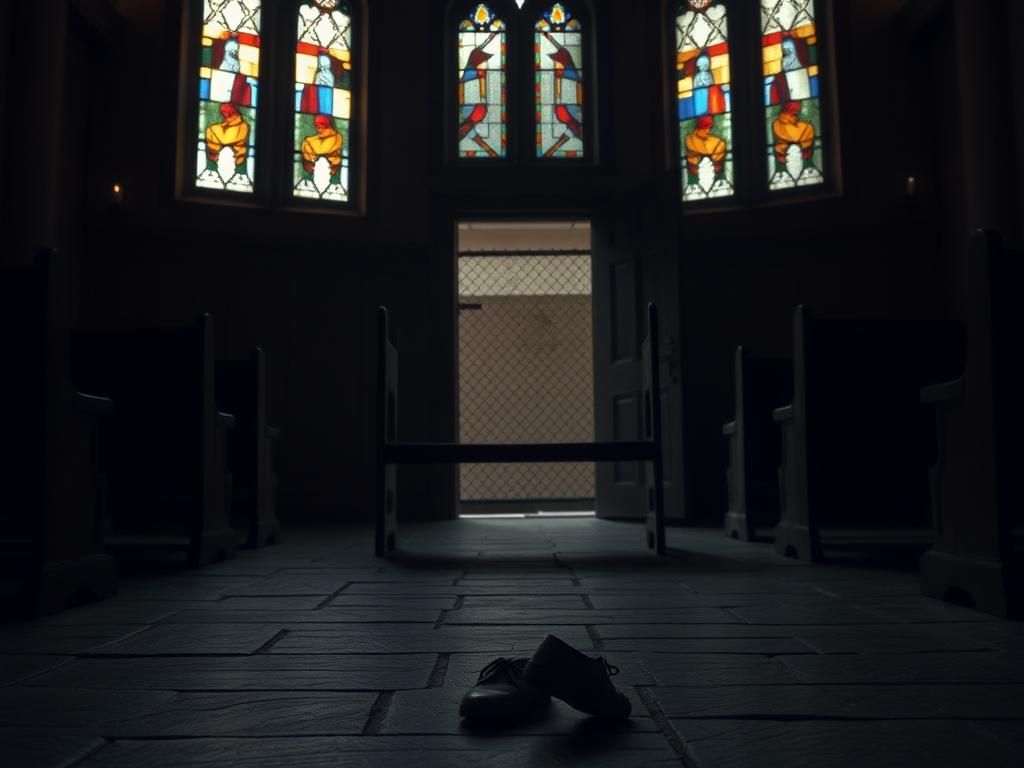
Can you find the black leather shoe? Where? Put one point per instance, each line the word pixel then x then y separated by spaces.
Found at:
pixel 580 681
pixel 501 695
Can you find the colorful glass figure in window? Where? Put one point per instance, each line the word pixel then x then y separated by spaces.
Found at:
pixel 323 101
pixel 704 99
pixel 482 88
pixel 228 90
pixel 792 93
pixel 558 50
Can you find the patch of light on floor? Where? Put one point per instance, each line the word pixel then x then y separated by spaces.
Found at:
pixel 523 515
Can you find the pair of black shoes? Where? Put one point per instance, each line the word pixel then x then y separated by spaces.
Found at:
pixel 511 690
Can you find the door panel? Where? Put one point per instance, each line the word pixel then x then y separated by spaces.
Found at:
pixel 635 257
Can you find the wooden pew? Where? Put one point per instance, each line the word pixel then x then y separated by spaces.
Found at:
pixel 163 455
pixel 977 492
pixel 51 546
pixel 855 441
pixel 242 390
pixel 391 452
pixel 753 440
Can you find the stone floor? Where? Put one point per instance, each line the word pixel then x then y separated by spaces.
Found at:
pixel 314 653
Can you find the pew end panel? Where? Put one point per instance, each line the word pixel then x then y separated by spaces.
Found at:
pixel 976 491
pixel 752 439
pixel 163 452
pixel 242 390
pixel 51 544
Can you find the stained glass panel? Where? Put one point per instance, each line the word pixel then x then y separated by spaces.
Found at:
pixel 229 72
pixel 792 93
pixel 704 99
pixel 482 85
pixel 323 101
pixel 558 52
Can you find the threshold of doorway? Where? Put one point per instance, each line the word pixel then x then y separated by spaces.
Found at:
pixel 523 515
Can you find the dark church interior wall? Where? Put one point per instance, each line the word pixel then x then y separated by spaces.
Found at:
pixel 304 285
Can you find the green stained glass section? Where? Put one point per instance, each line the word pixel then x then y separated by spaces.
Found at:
pixel 482 89
pixel 792 94
pixel 324 106
pixel 704 100
pixel 229 82
pixel 559 84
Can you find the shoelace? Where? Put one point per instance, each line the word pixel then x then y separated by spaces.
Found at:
pixel 611 669
pixel 501 664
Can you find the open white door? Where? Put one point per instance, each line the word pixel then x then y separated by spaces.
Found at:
pixel 635 261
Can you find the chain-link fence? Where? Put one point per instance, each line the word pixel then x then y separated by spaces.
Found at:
pixel 526 372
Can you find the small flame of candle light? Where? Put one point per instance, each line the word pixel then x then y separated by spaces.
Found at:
pixel 118 193
pixel 911 186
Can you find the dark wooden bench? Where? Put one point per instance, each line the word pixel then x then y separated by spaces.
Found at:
pixel 51 544
pixel 242 391
pixel 855 441
pixel 977 491
pixel 163 454
pixel 754 452
pixel 391 452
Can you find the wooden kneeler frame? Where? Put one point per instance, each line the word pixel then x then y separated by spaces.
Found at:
pixel 390 452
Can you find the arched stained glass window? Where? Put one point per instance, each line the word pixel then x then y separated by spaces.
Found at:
pixel 482 85
pixel 323 101
pixel 229 72
pixel 559 67
pixel 789 44
pixel 704 100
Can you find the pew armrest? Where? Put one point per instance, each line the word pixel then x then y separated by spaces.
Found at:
pixel 934 394
pixel 97 406
pixel 729 428
pixel 785 413
pixel 225 420
pixel 273 433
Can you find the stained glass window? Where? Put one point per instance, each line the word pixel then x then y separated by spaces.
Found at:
pixel 558 52
pixel 482 85
pixel 704 100
pixel 323 101
pixel 229 72
pixel 789 45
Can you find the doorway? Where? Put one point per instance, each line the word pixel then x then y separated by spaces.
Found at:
pixel 526 370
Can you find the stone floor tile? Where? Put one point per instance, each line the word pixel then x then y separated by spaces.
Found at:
pixel 14 667
pixel 401 638
pixel 685 645
pixel 682 669
pixel 44 750
pixel 347 672
pixel 866 702
pixel 63 639
pixel 192 639
pixel 583 748
pixel 287 618
pixel 976 667
pixel 906 744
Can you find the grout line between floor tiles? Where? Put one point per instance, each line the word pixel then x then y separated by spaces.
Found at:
pixel 378 713
pixel 265 648
pixel 86 754
pixel 330 598
pixel 439 673
pixel 678 744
